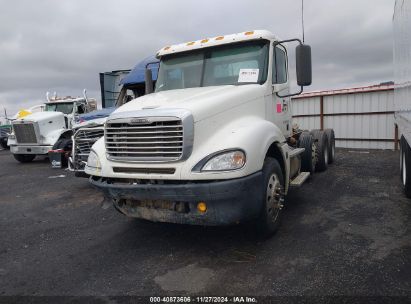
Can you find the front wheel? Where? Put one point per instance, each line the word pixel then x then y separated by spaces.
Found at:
pixel 66 145
pixel 273 196
pixel 24 158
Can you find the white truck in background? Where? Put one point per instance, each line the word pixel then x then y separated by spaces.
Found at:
pixel 40 132
pixel 214 144
pixel 402 91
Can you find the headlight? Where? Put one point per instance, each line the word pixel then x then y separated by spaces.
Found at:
pixel 225 161
pixel 93 162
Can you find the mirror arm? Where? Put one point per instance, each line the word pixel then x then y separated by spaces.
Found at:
pixel 288 95
pixel 288 40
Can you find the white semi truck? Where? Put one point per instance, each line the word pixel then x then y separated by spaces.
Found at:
pixel 214 144
pixel 402 91
pixel 40 132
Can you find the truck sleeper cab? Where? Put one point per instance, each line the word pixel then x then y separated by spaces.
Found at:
pixel 214 143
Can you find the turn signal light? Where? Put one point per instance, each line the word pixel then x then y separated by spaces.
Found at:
pixel 202 207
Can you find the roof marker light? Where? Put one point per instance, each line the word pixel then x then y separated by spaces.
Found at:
pixel 204 41
pixel 167 48
pixel 219 38
pixel 190 43
pixel 249 33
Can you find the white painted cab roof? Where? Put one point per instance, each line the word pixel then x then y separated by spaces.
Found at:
pixel 214 41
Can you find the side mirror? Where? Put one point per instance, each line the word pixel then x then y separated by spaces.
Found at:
pixel 149 81
pixel 303 64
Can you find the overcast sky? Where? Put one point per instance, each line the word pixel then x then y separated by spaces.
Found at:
pixel 49 45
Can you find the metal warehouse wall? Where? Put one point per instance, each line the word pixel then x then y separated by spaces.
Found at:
pixel 361 117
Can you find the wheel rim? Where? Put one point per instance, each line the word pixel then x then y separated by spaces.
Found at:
pixel 274 197
pixel 404 170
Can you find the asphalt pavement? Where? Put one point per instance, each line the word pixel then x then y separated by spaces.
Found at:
pixel 346 232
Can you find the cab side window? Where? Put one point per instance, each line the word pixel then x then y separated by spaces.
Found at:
pixel 81 109
pixel 279 66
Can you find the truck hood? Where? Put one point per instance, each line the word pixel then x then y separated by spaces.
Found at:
pixel 90 123
pixel 202 102
pixel 43 116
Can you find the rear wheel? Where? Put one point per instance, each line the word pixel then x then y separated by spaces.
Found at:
pixel 321 143
pixel 406 168
pixel 308 157
pixel 331 145
pixel 273 196
pixel 24 158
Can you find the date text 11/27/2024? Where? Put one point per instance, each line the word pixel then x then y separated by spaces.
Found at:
pixel 203 299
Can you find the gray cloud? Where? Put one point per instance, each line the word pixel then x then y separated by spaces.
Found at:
pixel 61 46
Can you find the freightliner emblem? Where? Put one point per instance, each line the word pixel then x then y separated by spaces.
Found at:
pixel 139 121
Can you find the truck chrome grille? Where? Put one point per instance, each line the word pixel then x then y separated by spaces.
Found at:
pixel 5 131
pixel 25 133
pixel 84 139
pixel 151 139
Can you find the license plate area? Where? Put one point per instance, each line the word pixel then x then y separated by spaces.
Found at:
pixel 180 207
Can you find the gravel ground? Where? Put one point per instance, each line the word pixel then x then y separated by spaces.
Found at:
pixel 345 232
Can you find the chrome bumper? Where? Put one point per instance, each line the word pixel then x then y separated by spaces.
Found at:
pixel 30 149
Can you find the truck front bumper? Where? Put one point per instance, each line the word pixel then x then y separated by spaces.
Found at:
pixel 30 149
pixel 228 201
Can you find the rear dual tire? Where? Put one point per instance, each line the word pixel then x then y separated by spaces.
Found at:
pixel 322 147
pixel 331 145
pixel 308 157
pixel 405 166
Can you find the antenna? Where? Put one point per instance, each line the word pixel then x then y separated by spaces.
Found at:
pixel 85 95
pixel 47 96
pixel 302 17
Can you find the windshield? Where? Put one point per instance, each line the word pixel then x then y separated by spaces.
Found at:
pixel 234 64
pixel 64 107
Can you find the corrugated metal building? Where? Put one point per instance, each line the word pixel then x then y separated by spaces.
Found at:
pixel 361 117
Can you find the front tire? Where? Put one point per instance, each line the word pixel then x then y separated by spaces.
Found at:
pixel 24 158
pixel 273 196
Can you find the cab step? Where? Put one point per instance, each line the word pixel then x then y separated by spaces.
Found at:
pixel 300 179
